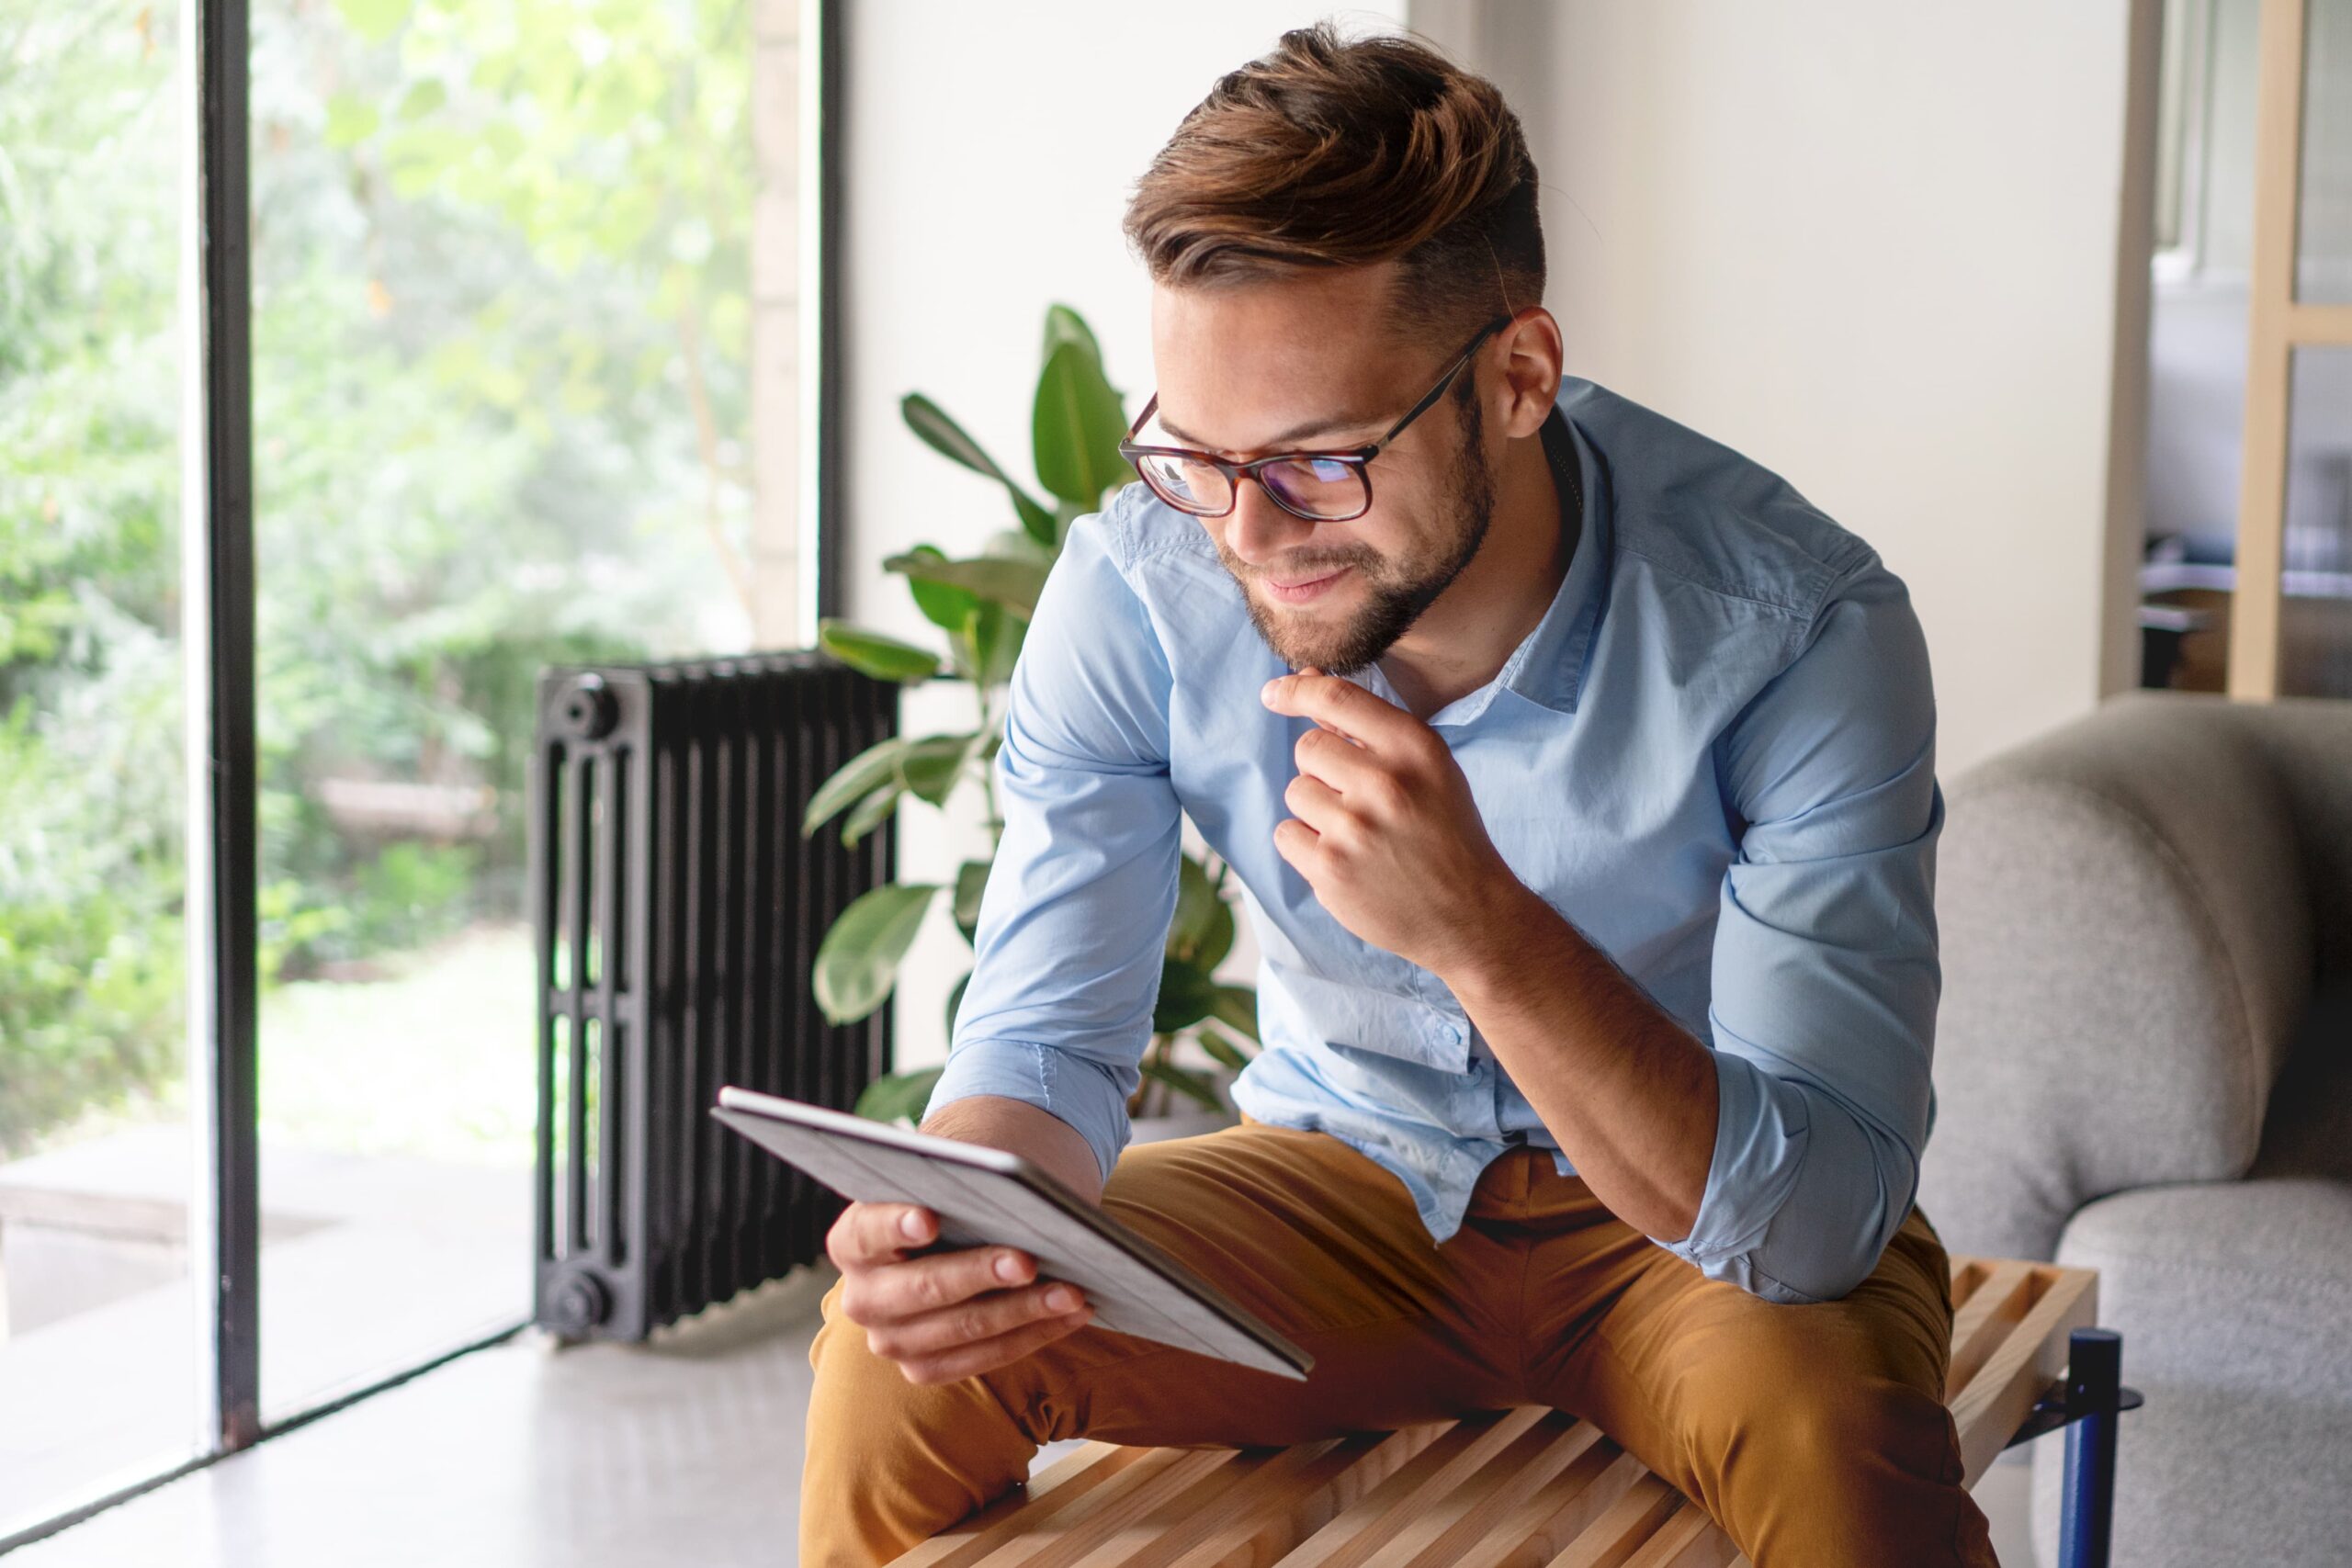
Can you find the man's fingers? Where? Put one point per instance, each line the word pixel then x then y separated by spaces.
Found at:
pixel 971 1321
pixel 1343 706
pixel 869 1234
pixel 1338 762
pixel 987 1354
pixel 1313 802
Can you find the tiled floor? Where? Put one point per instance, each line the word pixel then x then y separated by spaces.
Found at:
pixel 687 1450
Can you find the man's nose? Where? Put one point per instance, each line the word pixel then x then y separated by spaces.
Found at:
pixel 1259 531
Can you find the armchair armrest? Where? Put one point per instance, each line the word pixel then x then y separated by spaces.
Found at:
pixel 2127 947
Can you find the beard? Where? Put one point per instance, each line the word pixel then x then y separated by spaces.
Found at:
pixel 1398 591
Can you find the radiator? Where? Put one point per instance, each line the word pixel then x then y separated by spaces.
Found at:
pixel 676 912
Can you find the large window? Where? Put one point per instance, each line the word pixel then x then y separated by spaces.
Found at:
pixel 514 354
pixel 97 1359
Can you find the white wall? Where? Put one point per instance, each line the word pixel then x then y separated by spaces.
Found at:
pixel 1876 248
pixel 1873 246
pixel 990 149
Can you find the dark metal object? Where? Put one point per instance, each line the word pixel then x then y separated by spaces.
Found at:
pixel 233 986
pixel 821 533
pixel 2087 1403
pixel 2094 1403
pixel 676 912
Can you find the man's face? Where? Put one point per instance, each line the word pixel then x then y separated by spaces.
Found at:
pixel 1312 363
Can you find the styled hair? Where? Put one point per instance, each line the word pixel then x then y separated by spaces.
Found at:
pixel 1332 151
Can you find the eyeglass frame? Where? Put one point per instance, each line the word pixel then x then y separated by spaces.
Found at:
pixel 1360 457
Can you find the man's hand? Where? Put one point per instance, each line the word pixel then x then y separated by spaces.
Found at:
pixel 1386 829
pixel 947 1314
pixel 952 1314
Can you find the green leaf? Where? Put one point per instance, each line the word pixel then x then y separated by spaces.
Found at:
pixel 872 812
pixel 873 653
pixel 944 604
pixel 350 119
pixel 971 881
pixel 1187 995
pixel 894 1095
pixel 992 644
pixel 944 435
pixel 1225 1053
pixel 1218 940
pixel 857 964
pixel 374 20
pixel 871 768
pixel 1065 325
pixel 948 438
pixel 930 767
pixel 1015 544
pixel 1076 425
pixel 1035 520
pixel 1235 1006
pixel 956 999
pixel 426 97
pixel 1016 585
pixel 1185 1081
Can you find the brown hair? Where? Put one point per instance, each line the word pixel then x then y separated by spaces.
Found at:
pixel 1332 151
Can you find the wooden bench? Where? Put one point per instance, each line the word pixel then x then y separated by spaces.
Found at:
pixel 1524 1488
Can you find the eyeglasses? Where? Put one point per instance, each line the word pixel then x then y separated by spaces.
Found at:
pixel 1322 487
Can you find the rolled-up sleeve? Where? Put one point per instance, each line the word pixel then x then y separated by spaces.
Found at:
pixel 1825 976
pixel 1074 919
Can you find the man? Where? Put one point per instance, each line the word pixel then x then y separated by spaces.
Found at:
pixel 1579 778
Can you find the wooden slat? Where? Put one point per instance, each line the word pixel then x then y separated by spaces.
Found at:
pixel 1628 1526
pixel 1991 1312
pixel 1996 1401
pixel 2270 294
pixel 1438 1535
pixel 1263 1535
pixel 1542 1527
pixel 1350 1540
pixel 1688 1540
pixel 1023 1513
pixel 1524 1488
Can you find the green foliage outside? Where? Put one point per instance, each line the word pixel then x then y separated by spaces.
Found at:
pixel 501 320
pixel 983 605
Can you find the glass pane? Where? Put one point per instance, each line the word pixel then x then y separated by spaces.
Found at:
pixel 2197 353
pixel 98 1342
pixel 505 267
pixel 2316 616
pixel 2324 239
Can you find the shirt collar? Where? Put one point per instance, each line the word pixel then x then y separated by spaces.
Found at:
pixel 1547 667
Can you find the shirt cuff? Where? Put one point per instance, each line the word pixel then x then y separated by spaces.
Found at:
pixel 1081 1092
pixel 1760 1146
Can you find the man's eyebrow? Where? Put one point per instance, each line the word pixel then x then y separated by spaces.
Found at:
pixel 1295 433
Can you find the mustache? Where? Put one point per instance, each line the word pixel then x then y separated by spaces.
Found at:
pixel 1295 570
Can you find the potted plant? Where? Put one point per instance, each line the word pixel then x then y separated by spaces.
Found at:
pixel 982 603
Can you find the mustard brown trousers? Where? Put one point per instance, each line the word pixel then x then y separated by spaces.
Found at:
pixel 1817 1434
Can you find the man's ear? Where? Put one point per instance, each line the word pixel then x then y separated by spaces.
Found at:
pixel 1532 357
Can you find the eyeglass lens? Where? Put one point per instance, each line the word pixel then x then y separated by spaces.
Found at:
pixel 1312 487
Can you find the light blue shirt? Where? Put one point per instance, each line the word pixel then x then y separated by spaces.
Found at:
pixel 1714 756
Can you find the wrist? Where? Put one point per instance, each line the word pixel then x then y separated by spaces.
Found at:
pixel 1507 947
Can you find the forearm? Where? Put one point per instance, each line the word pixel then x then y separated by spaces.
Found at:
pixel 1023 1129
pixel 1629 1094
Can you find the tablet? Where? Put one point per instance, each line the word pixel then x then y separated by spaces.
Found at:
pixel 984 1196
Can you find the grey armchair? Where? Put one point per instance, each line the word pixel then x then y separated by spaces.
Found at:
pixel 2143 1065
